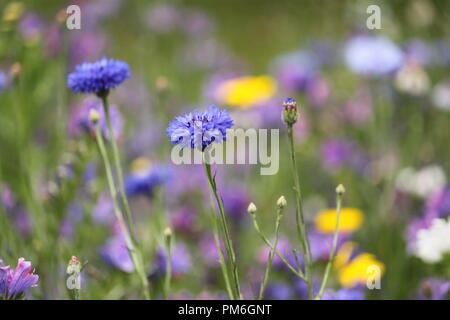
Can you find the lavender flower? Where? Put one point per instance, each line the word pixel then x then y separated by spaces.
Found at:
pixel 116 254
pixel 3 81
pixel 13 283
pixel 98 77
pixel 372 56
pixel 79 121
pixel 200 129
pixel 144 180
pixel 434 289
pixel 344 294
pixel 180 258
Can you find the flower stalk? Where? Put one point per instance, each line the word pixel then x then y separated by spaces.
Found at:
pixel 290 117
pixel 340 190
pixel 225 231
pixel 168 276
pixel 129 241
pixel 280 206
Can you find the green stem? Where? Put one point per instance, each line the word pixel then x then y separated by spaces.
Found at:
pixel 333 248
pixel 168 276
pixel 227 238
pixel 118 166
pixel 271 254
pixel 126 233
pixel 300 218
pixel 223 265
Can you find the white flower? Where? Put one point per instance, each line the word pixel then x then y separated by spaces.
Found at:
pixel 434 242
pixel 423 182
pixel 441 96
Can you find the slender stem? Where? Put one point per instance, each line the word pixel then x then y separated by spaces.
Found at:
pixel 298 273
pixel 271 254
pixel 227 238
pixel 300 218
pixel 223 265
pixel 168 275
pixel 123 226
pixel 333 248
pixel 118 166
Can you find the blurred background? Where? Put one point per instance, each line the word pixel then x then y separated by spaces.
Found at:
pixel 374 116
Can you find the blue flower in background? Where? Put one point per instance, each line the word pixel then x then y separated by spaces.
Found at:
pixel 181 261
pixel 98 77
pixel 344 294
pixel 144 178
pixel 372 56
pixel 200 129
pixel 3 81
pixel 116 254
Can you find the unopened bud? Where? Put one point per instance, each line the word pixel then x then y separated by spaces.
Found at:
pixel 162 83
pixel 168 236
pixel 251 208
pixel 94 116
pixel 340 190
pixel 290 112
pixel 281 203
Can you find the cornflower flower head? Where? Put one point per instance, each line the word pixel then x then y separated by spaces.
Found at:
pixel 200 129
pixel 98 77
pixel 13 283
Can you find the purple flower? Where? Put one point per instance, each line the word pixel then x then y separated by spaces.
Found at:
pixel 13 283
pixel 116 254
pixel 336 154
pixel 236 200
pixel 98 77
pixel 344 294
pixel 200 129
pixel 296 70
pixel 103 211
pixel 163 18
pixel 4 80
pixel 144 180
pixel 183 220
pixel 278 291
pixel 79 121
pixel 372 56
pixel 180 261
pixel 31 26
pixel 438 205
pixel 434 289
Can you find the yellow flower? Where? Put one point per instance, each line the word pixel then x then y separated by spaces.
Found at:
pixel 351 219
pixel 246 92
pixel 141 165
pixel 357 271
pixel 344 254
pixel 13 11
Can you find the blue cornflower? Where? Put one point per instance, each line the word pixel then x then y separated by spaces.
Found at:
pixel 145 178
pixel 200 129
pixel 98 77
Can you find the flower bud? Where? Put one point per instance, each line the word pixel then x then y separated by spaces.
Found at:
pixel 281 203
pixel 168 236
pixel 94 116
pixel 251 208
pixel 340 190
pixel 290 112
